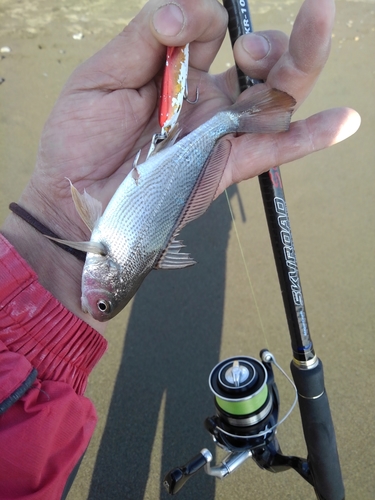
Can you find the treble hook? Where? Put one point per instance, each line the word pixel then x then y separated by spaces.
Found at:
pixel 186 93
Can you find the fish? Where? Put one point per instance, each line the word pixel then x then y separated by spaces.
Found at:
pixel 138 230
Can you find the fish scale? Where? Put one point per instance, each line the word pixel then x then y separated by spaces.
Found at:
pixel 167 179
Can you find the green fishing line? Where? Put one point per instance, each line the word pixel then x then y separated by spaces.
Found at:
pixel 244 406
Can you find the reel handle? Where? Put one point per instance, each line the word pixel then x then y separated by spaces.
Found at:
pixel 177 477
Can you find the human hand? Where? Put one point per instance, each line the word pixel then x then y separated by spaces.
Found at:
pixel 107 111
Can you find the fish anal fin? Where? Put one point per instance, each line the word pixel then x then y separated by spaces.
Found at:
pixel 206 186
pixel 268 111
pixel 173 259
pixel 199 200
pixel 89 208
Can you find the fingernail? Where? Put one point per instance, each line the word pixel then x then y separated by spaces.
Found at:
pixel 256 45
pixel 169 19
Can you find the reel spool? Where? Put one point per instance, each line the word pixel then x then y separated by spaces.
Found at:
pixel 246 401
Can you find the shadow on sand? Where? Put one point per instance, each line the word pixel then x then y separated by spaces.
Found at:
pixel 172 343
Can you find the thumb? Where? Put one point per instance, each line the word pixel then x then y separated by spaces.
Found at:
pixel 136 55
pixel 202 23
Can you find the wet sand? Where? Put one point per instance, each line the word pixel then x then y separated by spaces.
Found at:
pixel 151 388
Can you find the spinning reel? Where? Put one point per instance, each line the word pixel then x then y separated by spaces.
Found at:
pixel 247 410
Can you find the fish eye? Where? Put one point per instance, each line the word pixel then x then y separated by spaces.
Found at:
pixel 104 306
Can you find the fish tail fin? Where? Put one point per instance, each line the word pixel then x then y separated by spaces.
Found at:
pixel 267 111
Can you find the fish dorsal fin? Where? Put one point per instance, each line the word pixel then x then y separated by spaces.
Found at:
pixel 89 208
pixel 200 199
pixel 84 246
pixel 173 259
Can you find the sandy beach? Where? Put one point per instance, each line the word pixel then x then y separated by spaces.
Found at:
pixel 151 389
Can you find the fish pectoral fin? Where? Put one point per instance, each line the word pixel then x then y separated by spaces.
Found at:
pixel 268 111
pixel 84 246
pixel 173 259
pixel 89 208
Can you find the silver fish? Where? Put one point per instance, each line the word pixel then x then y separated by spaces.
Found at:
pixel 138 230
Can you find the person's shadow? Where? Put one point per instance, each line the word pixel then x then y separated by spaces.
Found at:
pixel 172 343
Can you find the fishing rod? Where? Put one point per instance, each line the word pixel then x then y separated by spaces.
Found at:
pixel 246 395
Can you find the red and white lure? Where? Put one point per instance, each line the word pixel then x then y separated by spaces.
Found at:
pixel 174 90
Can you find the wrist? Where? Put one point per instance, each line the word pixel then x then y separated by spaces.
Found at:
pixel 58 271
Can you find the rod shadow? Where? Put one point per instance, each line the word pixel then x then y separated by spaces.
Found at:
pixel 172 343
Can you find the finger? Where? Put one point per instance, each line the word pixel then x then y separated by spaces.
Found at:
pixel 256 53
pixel 253 155
pixel 297 70
pixel 136 55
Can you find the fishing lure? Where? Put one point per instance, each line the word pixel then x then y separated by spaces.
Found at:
pixel 174 90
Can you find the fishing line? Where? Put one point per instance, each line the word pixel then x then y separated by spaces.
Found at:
pixel 247 270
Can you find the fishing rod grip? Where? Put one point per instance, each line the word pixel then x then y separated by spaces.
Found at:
pixel 319 432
